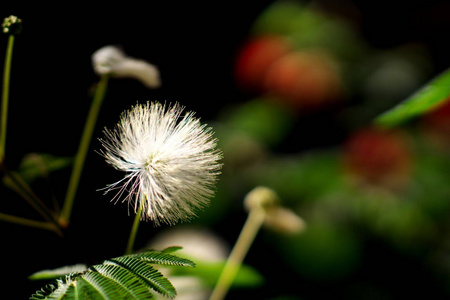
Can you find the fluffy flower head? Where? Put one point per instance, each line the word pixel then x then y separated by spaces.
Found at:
pixel 171 161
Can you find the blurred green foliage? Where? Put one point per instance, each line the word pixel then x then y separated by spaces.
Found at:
pixel 423 101
pixel 344 211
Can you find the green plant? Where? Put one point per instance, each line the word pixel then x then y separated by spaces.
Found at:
pixel 127 277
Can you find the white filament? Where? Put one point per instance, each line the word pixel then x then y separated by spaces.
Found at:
pixel 171 161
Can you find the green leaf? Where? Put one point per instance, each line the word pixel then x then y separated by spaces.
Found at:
pixel 126 277
pixel 58 272
pixel 122 277
pixel 54 290
pixel 264 121
pixel 97 286
pixel 148 275
pixel 165 259
pixel 425 99
pixel 209 273
pixel 171 249
pixel 35 165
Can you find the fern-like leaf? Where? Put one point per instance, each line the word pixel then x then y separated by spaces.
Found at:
pixel 171 249
pixel 134 286
pixel 126 277
pixel 58 272
pixel 148 275
pixel 55 290
pixel 163 258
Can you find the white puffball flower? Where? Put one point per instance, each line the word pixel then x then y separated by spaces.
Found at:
pixel 112 60
pixel 171 161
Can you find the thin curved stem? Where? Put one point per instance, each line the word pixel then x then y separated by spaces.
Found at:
pixel 237 255
pixel 16 183
pixel 82 150
pixel 29 222
pixel 5 96
pixel 133 233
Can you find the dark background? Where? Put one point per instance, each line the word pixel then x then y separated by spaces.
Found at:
pixel 194 46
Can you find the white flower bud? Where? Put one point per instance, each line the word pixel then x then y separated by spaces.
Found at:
pixel 111 60
pixel 284 220
pixel 141 70
pixel 275 216
pixel 260 197
pixel 105 60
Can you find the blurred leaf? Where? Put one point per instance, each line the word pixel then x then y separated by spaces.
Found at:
pixel 324 251
pixel 260 119
pixel 406 226
pixel 309 28
pixel 281 17
pixel 209 272
pixel 425 99
pixel 431 189
pixel 300 178
pixel 35 165
pixel 399 220
pixel 171 249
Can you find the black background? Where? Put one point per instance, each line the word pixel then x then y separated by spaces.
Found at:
pixel 194 45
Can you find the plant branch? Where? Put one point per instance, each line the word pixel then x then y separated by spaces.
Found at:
pixel 240 249
pixel 133 232
pixel 82 150
pixel 16 183
pixel 28 222
pixel 5 96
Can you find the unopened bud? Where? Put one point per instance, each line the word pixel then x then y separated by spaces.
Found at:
pixel 260 197
pixel 113 61
pixel 105 60
pixel 138 69
pixel 275 216
pixel 12 25
pixel 284 220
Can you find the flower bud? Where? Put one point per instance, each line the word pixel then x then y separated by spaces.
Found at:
pixel 113 61
pixel 275 216
pixel 12 25
pixel 260 197
pixel 141 70
pixel 105 60
pixel 283 220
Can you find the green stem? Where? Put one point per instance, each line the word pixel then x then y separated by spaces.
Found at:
pixel 16 183
pixel 240 249
pixel 133 232
pixel 28 222
pixel 82 150
pixel 5 96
